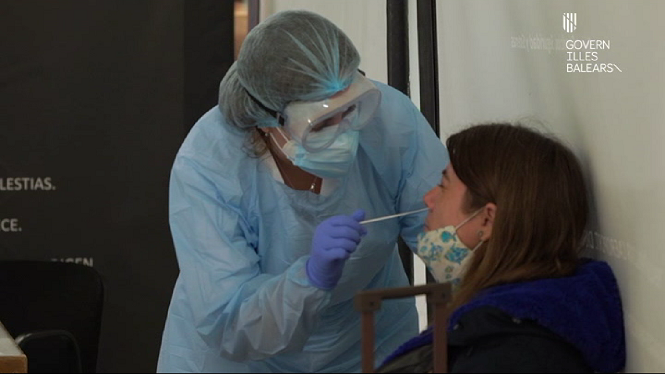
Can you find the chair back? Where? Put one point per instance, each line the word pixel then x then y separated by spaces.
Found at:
pixel 54 311
pixel 369 301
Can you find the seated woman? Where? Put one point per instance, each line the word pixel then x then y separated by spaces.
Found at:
pixel 505 226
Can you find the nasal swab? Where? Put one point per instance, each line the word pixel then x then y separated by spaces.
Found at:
pixel 393 216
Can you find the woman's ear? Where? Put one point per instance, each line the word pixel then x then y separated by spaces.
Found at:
pixel 488 215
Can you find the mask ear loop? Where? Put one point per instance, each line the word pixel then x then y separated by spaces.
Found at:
pixel 480 235
pixel 281 133
pixel 480 232
pixel 469 218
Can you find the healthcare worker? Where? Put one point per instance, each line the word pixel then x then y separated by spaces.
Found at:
pixel 266 196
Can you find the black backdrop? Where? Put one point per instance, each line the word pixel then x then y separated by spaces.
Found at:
pixel 95 99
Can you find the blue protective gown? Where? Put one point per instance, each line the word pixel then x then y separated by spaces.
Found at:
pixel 242 301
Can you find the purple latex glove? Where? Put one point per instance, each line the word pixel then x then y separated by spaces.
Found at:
pixel 334 241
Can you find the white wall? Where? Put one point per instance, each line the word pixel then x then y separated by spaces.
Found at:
pixel 614 122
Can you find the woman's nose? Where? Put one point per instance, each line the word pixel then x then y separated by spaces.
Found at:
pixel 429 198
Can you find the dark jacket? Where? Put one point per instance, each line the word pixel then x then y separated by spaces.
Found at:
pixel 571 324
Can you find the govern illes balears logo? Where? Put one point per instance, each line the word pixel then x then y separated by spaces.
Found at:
pixel 583 55
pixel 569 22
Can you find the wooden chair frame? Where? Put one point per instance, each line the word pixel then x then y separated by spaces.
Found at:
pixel 368 302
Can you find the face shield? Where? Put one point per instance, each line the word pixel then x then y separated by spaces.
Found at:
pixel 316 124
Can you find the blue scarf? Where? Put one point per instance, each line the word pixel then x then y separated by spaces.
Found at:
pixel 584 309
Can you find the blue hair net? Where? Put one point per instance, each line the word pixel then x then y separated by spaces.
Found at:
pixel 291 56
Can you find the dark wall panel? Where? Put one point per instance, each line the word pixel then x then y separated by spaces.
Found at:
pixel 208 54
pixel 93 102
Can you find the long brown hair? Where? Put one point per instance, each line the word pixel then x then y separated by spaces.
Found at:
pixel 538 187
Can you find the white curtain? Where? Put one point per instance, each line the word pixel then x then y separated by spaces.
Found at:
pixel 507 60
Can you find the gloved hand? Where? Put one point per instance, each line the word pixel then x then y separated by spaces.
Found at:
pixel 334 241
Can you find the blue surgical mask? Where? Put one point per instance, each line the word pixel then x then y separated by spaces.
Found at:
pixel 443 252
pixel 332 162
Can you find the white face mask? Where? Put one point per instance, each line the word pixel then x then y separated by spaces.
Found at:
pixel 443 252
pixel 332 162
